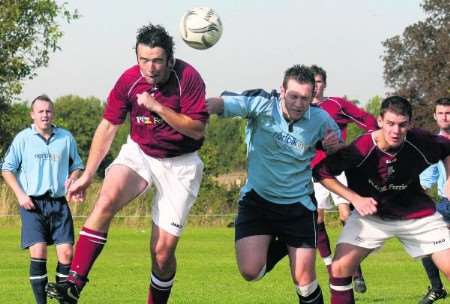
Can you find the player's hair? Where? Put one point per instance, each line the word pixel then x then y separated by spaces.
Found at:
pixel 42 97
pixel 155 36
pixel 443 101
pixel 398 105
pixel 300 73
pixel 317 70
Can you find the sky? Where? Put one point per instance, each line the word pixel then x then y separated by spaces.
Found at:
pixel 261 39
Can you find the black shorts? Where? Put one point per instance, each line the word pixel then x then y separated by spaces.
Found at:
pixel 50 222
pixel 292 223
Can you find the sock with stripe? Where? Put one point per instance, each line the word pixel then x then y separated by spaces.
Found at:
pixel 341 291
pixel 323 244
pixel 159 290
pixel 310 294
pixel 88 247
pixel 39 279
pixel 62 272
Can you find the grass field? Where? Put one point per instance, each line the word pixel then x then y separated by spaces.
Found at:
pixel 207 272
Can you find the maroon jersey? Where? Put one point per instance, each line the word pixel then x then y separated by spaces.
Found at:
pixel 344 112
pixel 184 93
pixel 391 179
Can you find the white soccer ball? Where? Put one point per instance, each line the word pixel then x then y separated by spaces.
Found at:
pixel 201 28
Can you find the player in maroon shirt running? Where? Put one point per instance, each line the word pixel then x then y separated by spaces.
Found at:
pixel 343 112
pixel 383 169
pixel 165 98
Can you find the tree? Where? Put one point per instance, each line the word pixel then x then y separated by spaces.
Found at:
pixel 417 64
pixel 29 33
pixel 81 117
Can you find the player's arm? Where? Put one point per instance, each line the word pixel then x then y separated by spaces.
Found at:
pixel 215 105
pixel 363 119
pixel 179 121
pixel 101 143
pixel 364 205
pixel 11 180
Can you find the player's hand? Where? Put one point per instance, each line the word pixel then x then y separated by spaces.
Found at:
pixel 331 142
pixel 26 202
pixel 76 191
pixel 344 211
pixel 365 205
pixel 148 100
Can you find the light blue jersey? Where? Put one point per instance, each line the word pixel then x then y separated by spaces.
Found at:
pixel 279 155
pixel 42 165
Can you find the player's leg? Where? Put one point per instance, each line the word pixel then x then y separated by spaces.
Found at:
pixel 162 249
pixel 177 181
pixel 64 253
pixel 302 263
pixel 424 237
pixel 120 186
pixel 345 261
pixel 360 235
pixel 436 291
pixel 63 236
pixel 34 237
pixel 38 271
pixel 323 199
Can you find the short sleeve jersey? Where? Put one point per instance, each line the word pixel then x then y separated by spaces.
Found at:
pixel 391 179
pixel 278 154
pixel 184 93
pixel 42 166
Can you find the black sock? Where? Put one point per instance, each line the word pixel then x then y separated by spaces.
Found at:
pixel 432 273
pixel 277 250
pixel 38 279
pixel 62 272
pixel 315 297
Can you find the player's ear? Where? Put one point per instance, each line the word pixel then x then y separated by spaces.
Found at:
pixel 379 121
pixel 171 63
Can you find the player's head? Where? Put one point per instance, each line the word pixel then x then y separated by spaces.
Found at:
pixel 320 77
pixel 42 112
pixel 394 120
pixel 297 91
pixel 154 52
pixel 442 113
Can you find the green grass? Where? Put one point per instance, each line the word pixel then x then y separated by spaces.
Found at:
pixel 207 271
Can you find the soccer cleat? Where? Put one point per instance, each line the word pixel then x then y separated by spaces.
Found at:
pixel 433 295
pixel 359 285
pixel 65 292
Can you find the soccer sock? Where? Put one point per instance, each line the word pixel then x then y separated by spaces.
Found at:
pixel 89 246
pixel 432 273
pixel 323 244
pixel 277 250
pixel 62 272
pixel 159 290
pixel 341 291
pixel 39 279
pixel 310 294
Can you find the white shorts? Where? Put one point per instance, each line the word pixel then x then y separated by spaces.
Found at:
pixel 324 196
pixel 176 179
pixel 420 237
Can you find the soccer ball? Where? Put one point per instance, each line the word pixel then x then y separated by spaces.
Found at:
pixel 201 28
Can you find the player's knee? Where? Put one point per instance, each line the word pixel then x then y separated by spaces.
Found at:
pixel 338 270
pixel 162 259
pixel 65 255
pixel 252 273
